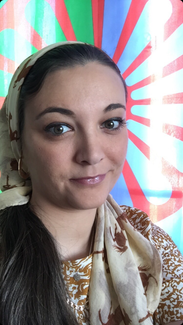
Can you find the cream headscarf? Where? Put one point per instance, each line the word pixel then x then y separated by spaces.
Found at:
pixel 122 257
pixel 15 189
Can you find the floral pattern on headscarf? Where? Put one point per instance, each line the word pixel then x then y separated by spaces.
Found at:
pixel 15 189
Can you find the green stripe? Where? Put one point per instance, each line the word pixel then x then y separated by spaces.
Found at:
pixel 80 13
pixel 14 46
pixel 42 18
pixel 2 3
pixel 5 79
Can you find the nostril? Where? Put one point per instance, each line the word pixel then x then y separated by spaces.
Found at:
pixel 89 154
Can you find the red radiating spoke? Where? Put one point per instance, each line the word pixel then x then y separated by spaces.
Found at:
pixel 173 66
pixel 175 20
pixel 137 196
pixel 130 22
pixel 146 52
pixel 143 147
pixel 60 11
pixel 9 20
pixel 1 101
pixel 173 99
pixel 7 64
pixel 173 130
pixel 98 15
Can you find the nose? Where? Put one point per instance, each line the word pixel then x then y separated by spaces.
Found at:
pixel 89 150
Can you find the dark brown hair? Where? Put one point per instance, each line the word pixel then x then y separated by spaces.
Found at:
pixel 32 290
pixel 61 57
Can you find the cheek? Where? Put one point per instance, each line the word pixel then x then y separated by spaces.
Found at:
pixel 45 158
pixel 118 151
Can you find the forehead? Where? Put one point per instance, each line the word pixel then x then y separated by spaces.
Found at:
pixel 80 86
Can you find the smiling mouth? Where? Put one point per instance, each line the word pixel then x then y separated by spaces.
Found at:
pixel 89 180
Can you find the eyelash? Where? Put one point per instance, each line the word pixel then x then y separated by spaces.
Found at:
pixel 121 122
pixel 50 128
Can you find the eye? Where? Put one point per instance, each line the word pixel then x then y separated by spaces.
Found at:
pixel 58 129
pixel 113 124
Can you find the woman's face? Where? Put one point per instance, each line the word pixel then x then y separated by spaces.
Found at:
pixel 75 137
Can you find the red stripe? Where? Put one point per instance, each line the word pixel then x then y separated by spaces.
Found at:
pixel 173 99
pixel 60 10
pixel 9 64
pixel 131 102
pixel 1 101
pixel 175 201
pixel 171 25
pixel 10 20
pixel 7 15
pixel 28 32
pixel 137 196
pixel 142 146
pixel 170 207
pixel 159 212
pixel 139 200
pixel 35 39
pixel 146 52
pixel 132 18
pixel 143 83
pixel 173 130
pixel 173 66
pixel 175 20
pixel 139 119
pixel 98 16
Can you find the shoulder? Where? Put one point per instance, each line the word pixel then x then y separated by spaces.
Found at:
pixel 170 308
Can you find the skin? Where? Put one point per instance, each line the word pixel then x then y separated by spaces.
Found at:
pixel 88 147
pixel 94 143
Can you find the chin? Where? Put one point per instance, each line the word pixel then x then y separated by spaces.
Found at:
pixel 90 198
pixel 92 202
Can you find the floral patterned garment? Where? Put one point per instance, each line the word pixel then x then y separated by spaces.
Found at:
pixel 77 279
pixel 170 307
pixel 77 274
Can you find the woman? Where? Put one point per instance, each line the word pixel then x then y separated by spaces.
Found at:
pixel 69 254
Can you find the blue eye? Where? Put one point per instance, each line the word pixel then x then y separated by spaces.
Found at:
pixel 57 129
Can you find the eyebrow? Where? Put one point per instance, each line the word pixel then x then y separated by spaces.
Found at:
pixel 68 112
pixel 111 107
pixel 60 110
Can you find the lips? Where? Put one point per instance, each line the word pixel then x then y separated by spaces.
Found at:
pixel 89 180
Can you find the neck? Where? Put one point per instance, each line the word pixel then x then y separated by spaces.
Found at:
pixel 73 231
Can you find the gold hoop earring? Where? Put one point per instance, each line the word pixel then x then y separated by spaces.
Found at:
pixel 21 172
